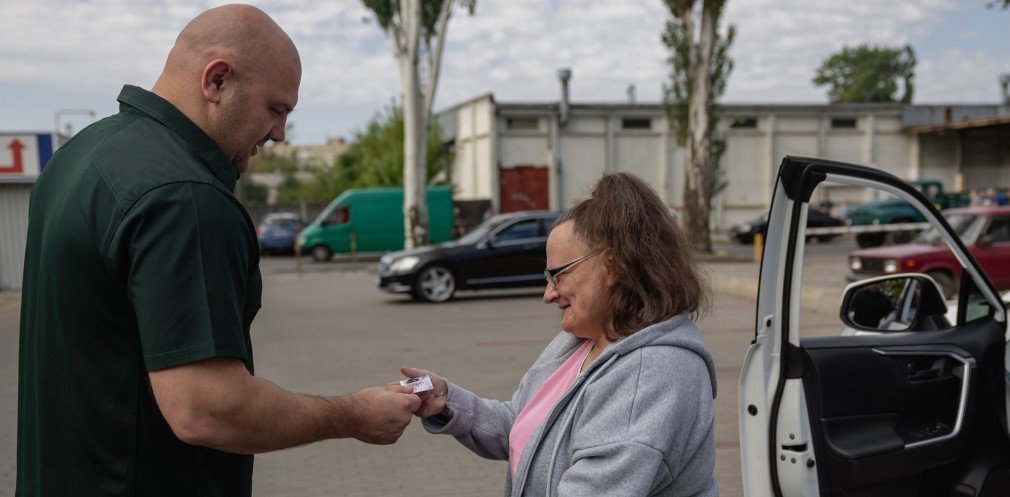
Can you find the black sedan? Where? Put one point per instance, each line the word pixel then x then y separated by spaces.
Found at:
pixel 506 251
pixel 744 232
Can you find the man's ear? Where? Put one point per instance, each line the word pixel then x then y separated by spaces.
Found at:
pixel 216 76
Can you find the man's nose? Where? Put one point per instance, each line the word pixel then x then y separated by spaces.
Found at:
pixel 277 133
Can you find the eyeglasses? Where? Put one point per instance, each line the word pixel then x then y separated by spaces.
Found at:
pixel 552 273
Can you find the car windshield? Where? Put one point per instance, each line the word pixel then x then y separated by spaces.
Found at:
pixel 477 233
pixel 961 223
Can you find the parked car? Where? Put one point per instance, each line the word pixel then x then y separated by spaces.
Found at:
pixel 984 230
pixel 506 251
pixel 744 232
pixel 371 220
pixel 921 411
pixel 277 232
pixel 897 211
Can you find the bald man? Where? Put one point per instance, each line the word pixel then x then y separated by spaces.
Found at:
pixel 141 281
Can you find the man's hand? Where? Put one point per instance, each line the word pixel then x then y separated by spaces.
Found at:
pixel 432 402
pixel 383 413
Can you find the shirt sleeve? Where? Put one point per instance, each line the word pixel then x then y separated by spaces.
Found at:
pixel 188 253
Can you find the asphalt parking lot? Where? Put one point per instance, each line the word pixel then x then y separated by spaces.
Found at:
pixel 329 331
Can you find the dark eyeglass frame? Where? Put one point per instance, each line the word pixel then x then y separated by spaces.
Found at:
pixel 551 274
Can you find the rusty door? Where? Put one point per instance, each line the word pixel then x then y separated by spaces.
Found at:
pixel 524 188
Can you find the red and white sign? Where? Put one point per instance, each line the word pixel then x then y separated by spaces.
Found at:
pixel 20 154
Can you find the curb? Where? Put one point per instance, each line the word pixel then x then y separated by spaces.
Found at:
pixel 817 299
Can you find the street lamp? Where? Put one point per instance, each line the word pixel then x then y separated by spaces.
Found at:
pixel 63 112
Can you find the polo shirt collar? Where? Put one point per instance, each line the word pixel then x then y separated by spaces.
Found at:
pixel 172 118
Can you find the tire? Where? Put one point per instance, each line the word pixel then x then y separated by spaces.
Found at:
pixel 321 253
pixel 867 240
pixel 946 283
pixel 435 283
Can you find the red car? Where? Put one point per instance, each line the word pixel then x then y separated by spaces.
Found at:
pixel 985 231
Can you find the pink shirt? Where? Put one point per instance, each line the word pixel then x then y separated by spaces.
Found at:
pixel 542 403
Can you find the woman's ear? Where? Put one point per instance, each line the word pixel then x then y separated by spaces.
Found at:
pixel 610 274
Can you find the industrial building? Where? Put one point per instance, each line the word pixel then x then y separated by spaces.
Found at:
pixel 520 155
pixel 23 155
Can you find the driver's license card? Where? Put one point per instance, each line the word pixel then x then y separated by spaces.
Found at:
pixel 420 383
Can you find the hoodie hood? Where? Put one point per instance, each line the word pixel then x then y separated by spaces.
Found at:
pixel 677 331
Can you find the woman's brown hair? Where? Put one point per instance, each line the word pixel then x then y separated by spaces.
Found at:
pixel 657 275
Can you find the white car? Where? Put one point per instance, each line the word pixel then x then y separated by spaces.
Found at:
pixel 910 413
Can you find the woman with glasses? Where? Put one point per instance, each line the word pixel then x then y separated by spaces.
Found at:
pixel 621 401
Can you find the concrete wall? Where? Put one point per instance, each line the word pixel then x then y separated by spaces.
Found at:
pixel 13 232
pixel 473 170
pixel 595 140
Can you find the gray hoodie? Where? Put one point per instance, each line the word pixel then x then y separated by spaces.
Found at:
pixel 638 421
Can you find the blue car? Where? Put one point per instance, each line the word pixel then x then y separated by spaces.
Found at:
pixel 278 231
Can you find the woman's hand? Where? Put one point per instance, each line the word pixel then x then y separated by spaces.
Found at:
pixel 433 401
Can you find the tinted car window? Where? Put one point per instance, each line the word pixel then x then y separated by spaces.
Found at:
pixel 518 231
pixel 999 230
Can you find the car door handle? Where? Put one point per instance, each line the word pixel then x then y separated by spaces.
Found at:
pixel 925 374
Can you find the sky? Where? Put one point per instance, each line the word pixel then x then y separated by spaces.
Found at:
pixel 73 56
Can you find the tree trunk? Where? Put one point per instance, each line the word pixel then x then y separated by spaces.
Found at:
pixel 699 146
pixel 415 205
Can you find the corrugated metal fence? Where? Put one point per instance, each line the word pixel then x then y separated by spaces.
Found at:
pixel 13 232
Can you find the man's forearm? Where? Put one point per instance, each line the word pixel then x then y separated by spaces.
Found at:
pixel 262 417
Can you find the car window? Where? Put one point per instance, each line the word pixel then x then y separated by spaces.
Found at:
pixel 281 221
pixel 831 262
pixel 339 215
pixel 965 225
pixel 998 230
pixel 518 231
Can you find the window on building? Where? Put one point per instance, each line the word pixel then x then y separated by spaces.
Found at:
pixel 636 123
pixel 749 122
pixel 843 122
pixel 524 123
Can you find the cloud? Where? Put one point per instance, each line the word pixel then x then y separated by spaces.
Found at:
pixel 959 76
pixel 511 48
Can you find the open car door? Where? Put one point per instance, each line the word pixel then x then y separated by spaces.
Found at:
pixel 916 412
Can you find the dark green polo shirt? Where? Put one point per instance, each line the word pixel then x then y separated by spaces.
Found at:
pixel 139 258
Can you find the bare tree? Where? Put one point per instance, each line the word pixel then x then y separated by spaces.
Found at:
pixel 700 66
pixel 416 30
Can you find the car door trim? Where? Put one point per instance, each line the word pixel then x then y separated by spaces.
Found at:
pixel 967 362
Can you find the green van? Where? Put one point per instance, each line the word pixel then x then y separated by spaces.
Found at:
pixel 371 220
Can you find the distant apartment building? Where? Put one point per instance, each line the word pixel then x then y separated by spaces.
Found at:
pixel 545 155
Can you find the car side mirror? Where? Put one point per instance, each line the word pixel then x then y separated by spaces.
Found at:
pixel 985 240
pixel 901 302
pixel 487 243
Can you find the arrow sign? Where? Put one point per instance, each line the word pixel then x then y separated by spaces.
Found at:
pixel 18 166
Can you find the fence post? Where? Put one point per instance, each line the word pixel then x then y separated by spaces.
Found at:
pixel 354 247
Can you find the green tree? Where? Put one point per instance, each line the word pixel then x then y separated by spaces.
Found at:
pixel 376 159
pixel 290 189
pixel 251 192
pixel 868 74
pixel 699 68
pixel 416 29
